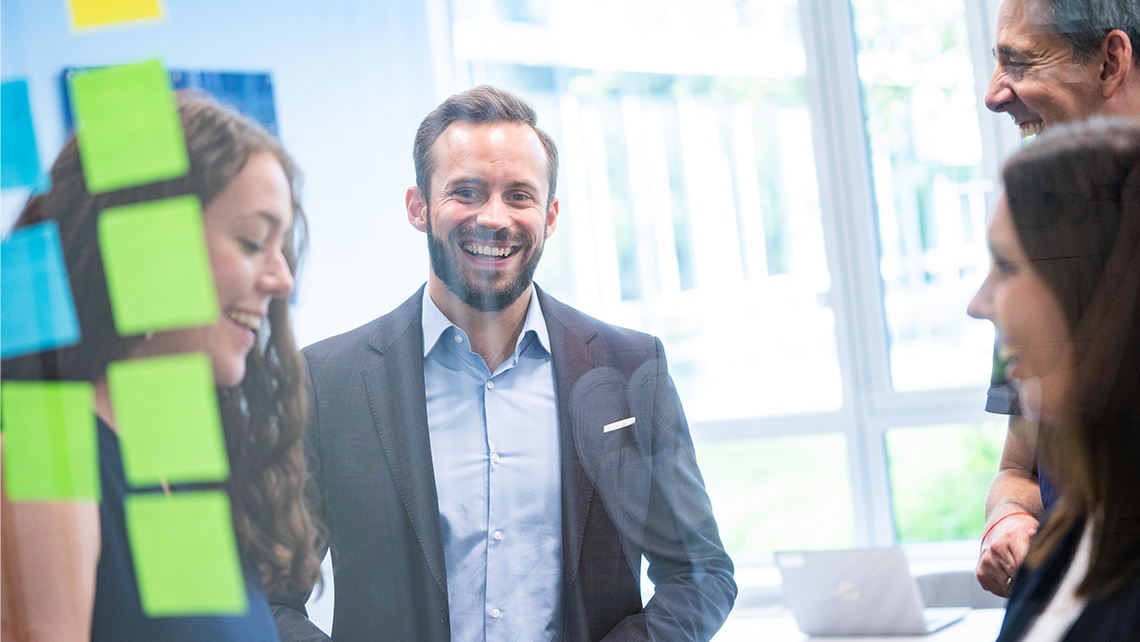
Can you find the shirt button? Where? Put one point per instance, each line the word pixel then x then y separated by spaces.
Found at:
pixel 495 613
pixel 490 385
pixel 494 458
pixel 458 339
pixel 498 535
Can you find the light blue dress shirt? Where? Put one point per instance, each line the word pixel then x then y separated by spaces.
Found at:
pixel 495 453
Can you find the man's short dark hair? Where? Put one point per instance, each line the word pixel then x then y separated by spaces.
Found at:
pixel 1084 24
pixel 481 105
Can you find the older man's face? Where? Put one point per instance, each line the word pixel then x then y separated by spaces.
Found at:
pixel 1036 81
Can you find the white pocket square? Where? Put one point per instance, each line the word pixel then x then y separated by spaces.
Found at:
pixel 618 425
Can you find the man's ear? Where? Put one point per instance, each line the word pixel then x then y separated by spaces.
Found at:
pixel 417 208
pixel 551 216
pixel 1116 62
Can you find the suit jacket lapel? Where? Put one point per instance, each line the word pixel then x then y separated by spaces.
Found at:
pixel 394 380
pixel 570 336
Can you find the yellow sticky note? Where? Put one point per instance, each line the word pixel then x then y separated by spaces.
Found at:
pixel 98 13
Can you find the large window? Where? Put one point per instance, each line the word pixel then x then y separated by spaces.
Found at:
pixel 792 195
pixel 926 163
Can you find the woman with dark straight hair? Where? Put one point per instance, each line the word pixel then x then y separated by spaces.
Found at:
pixel 1064 297
pixel 68 570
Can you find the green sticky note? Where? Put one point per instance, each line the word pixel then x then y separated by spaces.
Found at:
pixel 50 448
pixel 185 555
pixel 166 412
pixel 127 126
pixel 157 265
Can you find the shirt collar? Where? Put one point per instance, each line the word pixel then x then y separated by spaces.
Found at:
pixel 435 324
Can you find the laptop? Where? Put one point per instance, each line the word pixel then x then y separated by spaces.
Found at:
pixel 866 591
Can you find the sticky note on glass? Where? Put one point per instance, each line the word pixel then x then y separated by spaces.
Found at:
pixel 19 159
pixel 166 410
pixel 37 311
pixel 127 126
pixel 157 265
pixel 185 555
pixel 98 13
pixel 50 449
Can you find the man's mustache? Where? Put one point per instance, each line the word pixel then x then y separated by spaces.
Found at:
pixel 480 233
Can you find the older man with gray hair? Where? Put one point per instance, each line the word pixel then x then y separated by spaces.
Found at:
pixel 1057 61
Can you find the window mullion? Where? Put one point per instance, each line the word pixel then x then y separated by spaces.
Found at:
pixel 850 237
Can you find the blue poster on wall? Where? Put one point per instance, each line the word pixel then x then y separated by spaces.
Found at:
pixel 249 93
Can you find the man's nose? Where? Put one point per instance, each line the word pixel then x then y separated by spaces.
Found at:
pixel 998 94
pixel 494 215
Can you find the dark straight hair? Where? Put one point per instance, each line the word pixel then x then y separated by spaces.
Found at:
pixel 1074 196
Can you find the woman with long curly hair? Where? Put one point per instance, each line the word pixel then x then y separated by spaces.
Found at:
pixel 68 570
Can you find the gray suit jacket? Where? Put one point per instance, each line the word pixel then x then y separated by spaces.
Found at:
pixel 626 493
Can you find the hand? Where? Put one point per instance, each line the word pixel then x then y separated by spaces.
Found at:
pixel 1003 550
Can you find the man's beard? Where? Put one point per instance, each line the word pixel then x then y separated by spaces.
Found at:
pixel 445 266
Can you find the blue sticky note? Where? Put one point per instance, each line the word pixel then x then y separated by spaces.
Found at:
pixel 19 160
pixel 37 311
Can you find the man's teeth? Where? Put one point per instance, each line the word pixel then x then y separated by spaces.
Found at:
pixel 1031 129
pixel 251 321
pixel 487 250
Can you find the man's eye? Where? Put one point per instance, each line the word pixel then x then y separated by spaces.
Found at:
pixel 465 193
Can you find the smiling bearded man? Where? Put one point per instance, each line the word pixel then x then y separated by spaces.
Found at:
pixel 493 464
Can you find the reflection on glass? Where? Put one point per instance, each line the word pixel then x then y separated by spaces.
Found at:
pixel 689 203
pixel 939 479
pixel 779 494
pixel 922 127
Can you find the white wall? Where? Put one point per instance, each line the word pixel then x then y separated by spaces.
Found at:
pixel 352 79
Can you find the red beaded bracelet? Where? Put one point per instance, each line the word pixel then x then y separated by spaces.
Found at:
pixel 1020 512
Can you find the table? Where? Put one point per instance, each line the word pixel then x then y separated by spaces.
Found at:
pixel 979 625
